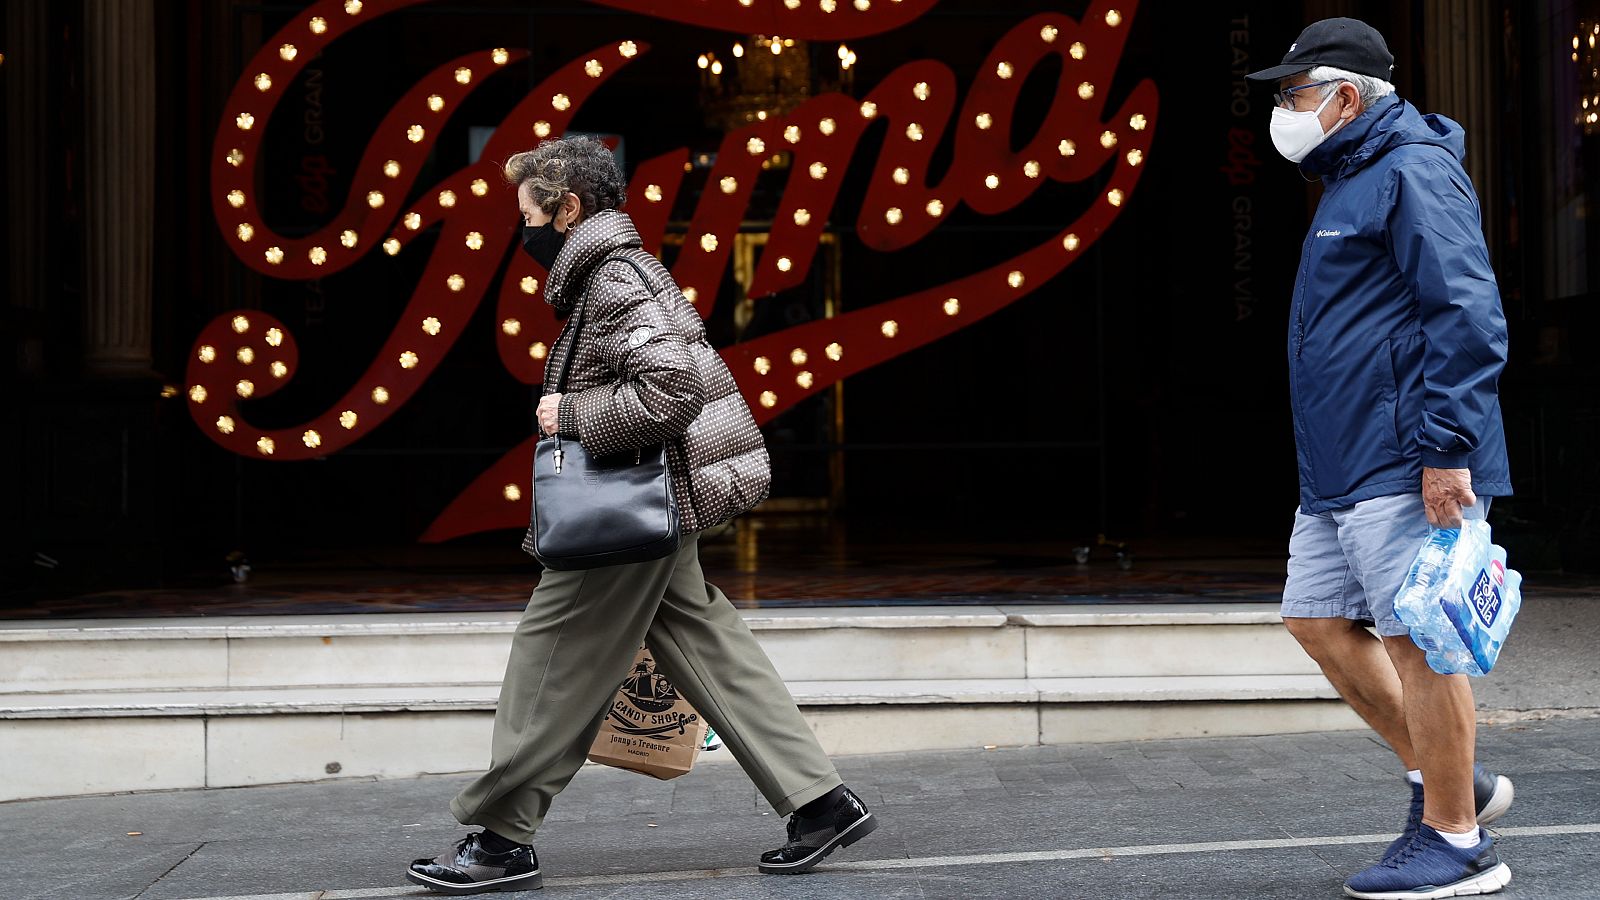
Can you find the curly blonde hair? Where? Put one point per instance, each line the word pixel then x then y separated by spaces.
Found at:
pixel 578 165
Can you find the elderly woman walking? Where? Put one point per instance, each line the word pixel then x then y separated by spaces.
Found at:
pixel 641 373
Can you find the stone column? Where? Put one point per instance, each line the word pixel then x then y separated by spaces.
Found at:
pixel 119 184
pixel 23 74
pixel 1461 39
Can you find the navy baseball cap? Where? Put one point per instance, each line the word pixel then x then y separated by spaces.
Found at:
pixel 1348 44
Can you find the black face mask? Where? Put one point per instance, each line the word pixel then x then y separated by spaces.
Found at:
pixel 543 243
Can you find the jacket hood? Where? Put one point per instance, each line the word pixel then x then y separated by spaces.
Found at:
pixel 587 243
pixel 1387 124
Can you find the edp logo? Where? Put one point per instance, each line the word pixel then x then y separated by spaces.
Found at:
pixel 1485 599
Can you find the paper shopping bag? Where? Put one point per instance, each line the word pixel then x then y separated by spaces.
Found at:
pixel 649 728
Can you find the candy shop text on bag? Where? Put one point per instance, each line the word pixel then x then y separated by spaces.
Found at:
pixel 649 728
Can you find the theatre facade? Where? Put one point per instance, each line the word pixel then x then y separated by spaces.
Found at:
pixel 1005 284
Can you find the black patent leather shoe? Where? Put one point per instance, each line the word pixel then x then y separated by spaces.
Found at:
pixel 472 869
pixel 811 840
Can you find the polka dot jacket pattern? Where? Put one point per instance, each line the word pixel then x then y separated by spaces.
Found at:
pixel 644 374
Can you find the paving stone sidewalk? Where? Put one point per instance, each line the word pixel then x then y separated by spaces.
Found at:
pixel 953 825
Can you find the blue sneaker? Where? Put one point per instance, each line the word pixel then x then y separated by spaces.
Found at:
pixel 1492 793
pixel 1428 868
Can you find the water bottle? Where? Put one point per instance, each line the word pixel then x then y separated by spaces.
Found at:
pixel 1459 599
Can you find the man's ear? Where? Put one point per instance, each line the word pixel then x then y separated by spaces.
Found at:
pixel 1350 96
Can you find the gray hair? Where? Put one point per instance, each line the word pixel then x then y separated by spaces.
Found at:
pixel 1371 89
pixel 577 165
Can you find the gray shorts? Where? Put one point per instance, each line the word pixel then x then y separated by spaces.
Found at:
pixel 1349 563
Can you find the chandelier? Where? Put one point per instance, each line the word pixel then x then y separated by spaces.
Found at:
pixel 1584 57
pixel 768 76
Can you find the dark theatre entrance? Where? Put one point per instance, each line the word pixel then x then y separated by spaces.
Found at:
pixel 1122 390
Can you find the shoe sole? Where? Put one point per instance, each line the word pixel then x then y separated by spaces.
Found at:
pixel 532 881
pixel 863 827
pixel 1499 801
pixel 1490 882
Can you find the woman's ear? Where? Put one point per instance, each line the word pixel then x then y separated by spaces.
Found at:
pixel 571 208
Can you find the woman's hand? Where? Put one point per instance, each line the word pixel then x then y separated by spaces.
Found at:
pixel 549 413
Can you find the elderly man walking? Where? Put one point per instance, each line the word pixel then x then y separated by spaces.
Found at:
pixel 1396 342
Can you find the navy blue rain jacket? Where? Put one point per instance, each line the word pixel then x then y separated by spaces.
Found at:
pixel 1397 336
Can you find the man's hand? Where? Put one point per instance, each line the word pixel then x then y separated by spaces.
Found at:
pixel 549 415
pixel 1444 492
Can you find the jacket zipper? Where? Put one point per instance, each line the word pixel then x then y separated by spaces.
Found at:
pixel 549 363
pixel 1299 342
pixel 1300 295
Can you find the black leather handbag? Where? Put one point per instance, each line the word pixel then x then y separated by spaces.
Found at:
pixel 592 511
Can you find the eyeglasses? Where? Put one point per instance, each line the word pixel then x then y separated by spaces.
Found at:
pixel 1285 98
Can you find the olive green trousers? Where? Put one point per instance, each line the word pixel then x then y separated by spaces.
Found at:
pixel 572 649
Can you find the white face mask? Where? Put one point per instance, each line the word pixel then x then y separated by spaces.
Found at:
pixel 1296 134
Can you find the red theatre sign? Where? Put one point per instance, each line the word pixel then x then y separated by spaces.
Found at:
pixel 248 353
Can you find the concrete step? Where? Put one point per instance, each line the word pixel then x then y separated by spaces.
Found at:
pixel 119 705
pixel 99 742
pixel 805 645
pixel 450 698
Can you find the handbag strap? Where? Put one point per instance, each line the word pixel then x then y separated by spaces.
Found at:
pixel 577 327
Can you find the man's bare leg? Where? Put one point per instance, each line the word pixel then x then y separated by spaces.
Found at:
pixel 1354 661
pixel 1442 723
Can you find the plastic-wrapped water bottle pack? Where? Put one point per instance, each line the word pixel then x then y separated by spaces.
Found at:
pixel 1459 599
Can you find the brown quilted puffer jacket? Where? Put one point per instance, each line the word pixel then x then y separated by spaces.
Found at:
pixel 645 374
